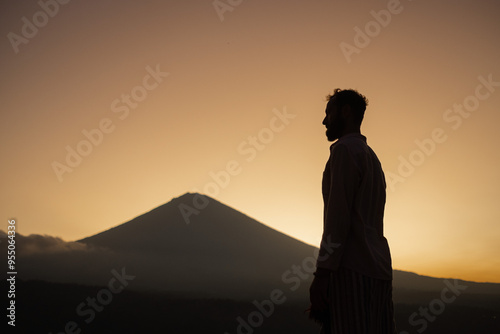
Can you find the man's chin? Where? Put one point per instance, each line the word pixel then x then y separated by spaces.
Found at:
pixel 331 136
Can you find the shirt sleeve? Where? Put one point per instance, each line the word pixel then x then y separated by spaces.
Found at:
pixel 344 178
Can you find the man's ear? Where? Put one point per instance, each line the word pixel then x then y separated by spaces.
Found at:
pixel 346 111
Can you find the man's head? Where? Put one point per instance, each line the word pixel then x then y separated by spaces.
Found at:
pixel 344 113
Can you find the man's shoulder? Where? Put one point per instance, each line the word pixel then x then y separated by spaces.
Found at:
pixel 354 146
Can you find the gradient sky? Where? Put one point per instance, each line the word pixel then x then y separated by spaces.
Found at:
pixel 229 74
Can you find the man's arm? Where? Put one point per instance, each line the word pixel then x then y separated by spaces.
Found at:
pixel 344 181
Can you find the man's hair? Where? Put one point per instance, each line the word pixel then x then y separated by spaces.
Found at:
pixel 351 97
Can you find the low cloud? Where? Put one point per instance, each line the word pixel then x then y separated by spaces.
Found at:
pixel 48 258
pixel 36 243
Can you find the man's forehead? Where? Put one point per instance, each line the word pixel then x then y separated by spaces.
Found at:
pixel 331 105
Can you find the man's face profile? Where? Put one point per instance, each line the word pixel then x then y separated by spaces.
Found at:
pixel 333 121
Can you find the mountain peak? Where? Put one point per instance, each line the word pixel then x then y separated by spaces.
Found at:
pixel 196 200
pixel 186 196
pixel 193 221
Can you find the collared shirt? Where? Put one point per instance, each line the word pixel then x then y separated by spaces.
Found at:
pixel 354 200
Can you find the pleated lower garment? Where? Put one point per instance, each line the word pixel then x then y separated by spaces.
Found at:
pixel 359 304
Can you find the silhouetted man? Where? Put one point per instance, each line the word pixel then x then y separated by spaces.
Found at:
pixel 352 288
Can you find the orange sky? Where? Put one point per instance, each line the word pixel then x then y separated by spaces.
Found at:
pixel 176 94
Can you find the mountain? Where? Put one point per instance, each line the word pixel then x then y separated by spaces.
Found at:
pixel 197 246
pixel 217 252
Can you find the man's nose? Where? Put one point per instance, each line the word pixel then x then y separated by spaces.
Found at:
pixel 324 121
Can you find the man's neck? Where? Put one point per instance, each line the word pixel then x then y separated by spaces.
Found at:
pixel 355 131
